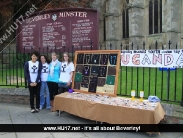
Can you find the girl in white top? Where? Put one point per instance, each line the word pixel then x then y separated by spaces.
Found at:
pixel 66 73
pixel 32 70
pixel 44 92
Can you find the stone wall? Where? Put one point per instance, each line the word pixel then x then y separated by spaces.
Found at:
pixel 14 95
pixel 21 96
pixel 173 110
pixel 111 10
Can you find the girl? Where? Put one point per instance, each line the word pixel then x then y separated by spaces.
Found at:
pixel 53 77
pixel 32 71
pixel 67 69
pixel 44 87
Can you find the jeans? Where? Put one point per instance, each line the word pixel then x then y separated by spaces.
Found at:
pixel 63 89
pixel 44 92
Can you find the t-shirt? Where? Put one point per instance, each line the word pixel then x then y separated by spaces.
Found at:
pixel 65 71
pixel 32 71
pixel 44 72
pixel 56 74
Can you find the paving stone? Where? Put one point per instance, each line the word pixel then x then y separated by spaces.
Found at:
pixel 20 114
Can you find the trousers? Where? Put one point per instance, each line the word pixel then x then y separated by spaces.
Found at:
pixel 44 94
pixel 34 91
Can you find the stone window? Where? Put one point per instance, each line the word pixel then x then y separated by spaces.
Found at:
pixel 155 16
pixel 125 20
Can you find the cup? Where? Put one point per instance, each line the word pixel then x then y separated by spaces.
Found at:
pixel 133 94
pixel 141 95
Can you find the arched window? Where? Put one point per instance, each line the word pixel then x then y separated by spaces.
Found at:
pixel 155 16
pixel 125 20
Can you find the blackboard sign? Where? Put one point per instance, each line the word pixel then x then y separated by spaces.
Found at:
pixel 96 71
pixel 58 29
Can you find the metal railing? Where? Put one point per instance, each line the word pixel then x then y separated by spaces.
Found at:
pixel 167 85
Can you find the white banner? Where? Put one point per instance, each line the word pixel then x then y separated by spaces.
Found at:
pixel 152 58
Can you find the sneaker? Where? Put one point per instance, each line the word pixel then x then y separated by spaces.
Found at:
pixel 32 110
pixel 48 108
pixel 37 110
pixel 41 108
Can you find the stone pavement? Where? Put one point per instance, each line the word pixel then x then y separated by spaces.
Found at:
pixel 20 114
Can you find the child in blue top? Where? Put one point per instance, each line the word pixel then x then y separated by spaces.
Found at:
pixel 53 77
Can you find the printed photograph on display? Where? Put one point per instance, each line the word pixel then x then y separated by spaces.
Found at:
pixel 96 71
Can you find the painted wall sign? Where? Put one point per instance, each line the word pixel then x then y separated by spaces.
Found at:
pixel 152 58
pixel 58 29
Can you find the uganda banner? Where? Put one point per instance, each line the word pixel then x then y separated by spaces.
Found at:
pixel 152 58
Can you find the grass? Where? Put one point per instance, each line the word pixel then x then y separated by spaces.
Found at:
pixel 150 80
pixel 8 77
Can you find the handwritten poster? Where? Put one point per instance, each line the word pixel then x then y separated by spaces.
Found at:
pixel 68 28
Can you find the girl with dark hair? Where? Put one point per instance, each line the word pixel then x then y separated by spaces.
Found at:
pixel 32 71
pixel 67 69
pixel 44 92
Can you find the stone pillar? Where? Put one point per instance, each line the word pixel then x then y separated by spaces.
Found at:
pixel 112 23
pixel 171 23
pixel 101 7
pixel 136 22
